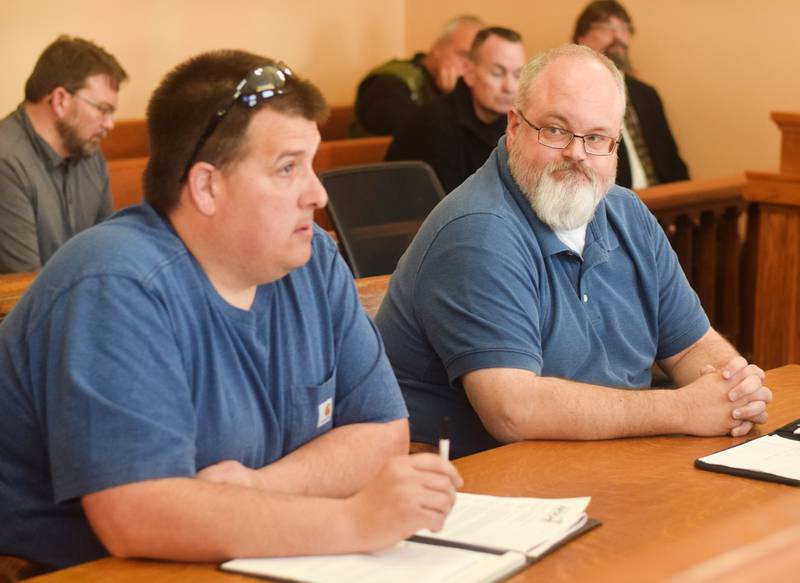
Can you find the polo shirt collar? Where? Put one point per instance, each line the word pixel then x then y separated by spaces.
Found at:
pixel 44 150
pixel 597 231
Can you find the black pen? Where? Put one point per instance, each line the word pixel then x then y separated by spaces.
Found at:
pixel 444 439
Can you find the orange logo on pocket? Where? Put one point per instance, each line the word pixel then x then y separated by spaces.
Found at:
pixel 324 412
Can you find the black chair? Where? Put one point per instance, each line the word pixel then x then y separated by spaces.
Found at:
pixel 377 209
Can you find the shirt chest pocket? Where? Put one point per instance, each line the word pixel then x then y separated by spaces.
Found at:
pixel 310 412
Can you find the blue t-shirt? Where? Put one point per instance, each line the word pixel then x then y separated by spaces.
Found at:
pixel 486 284
pixel 122 364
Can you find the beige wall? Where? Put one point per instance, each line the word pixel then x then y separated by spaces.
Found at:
pixel 720 65
pixel 333 47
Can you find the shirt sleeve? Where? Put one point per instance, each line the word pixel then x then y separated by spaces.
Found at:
pixel 19 243
pixel 366 388
pixel 477 301
pixel 119 407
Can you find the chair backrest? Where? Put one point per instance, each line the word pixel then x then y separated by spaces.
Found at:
pixel 377 209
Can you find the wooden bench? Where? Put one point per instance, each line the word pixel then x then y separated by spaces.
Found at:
pixel 338 125
pixel 125 177
pixel 130 139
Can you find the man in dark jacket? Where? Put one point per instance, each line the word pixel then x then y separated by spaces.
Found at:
pixel 455 134
pixel 393 91
pixel 648 154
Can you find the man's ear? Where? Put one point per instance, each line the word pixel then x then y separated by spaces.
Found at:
pixel 512 125
pixel 203 188
pixel 59 101
pixel 469 73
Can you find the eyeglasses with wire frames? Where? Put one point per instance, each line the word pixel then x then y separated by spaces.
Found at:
pixel 559 139
pixel 260 84
pixel 103 109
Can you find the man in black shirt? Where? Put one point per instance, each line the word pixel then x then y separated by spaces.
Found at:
pixel 455 134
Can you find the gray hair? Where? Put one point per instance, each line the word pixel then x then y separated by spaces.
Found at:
pixel 452 25
pixel 533 68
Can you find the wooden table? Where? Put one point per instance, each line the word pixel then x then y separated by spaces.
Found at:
pixel 661 516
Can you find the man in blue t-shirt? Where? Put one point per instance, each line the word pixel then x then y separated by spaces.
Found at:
pixel 538 293
pixel 195 379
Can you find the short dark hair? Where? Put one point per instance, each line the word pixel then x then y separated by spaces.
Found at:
pixel 599 11
pixel 184 104
pixel 67 63
pixel 484 34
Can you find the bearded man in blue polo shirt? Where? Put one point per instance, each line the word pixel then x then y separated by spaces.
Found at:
pixel 538 294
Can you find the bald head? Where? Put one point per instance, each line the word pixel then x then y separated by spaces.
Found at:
pixel 572 69
pixel 570 99
pixel 448 56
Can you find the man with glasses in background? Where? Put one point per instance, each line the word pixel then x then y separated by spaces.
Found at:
pixel 195 379
pixel 53 177
pixel 538 293
pixel 648 153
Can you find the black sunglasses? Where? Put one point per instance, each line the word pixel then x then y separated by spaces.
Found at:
pixel 260 84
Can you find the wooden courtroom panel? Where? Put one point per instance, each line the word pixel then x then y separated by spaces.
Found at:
pixel 645 490
pixel 12 287
pixel 128 139
pixel 776 323
pixel 125 178
pixel 789 124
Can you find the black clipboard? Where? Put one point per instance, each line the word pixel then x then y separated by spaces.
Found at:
pixel 787 432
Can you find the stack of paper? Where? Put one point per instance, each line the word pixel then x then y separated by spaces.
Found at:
pixel 485 538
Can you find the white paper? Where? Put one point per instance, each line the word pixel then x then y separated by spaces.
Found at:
pixel 526 525
pixel 406 561
pixel 771 454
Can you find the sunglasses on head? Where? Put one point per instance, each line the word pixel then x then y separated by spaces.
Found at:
pixel 260 84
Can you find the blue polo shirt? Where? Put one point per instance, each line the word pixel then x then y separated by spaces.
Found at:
pixel 122 363
pixel 486 284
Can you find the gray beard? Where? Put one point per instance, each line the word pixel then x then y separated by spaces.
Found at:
pixel 564 204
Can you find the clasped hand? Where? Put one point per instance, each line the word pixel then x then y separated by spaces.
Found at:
pixel 747 396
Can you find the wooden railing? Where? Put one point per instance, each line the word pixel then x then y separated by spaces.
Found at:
pixel 708 224
pixel 776 237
